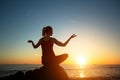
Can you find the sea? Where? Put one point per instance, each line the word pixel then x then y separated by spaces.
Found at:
pixel 73 71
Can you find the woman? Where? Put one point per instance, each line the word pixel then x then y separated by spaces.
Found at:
pixel 46 42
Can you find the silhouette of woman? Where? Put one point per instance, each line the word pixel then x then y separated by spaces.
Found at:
pixel 46 42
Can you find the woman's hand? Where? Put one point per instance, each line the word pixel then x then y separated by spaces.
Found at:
pixel 34 45
pixel 72 36
pixel 30 41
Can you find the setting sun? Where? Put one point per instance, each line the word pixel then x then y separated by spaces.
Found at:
pixel 81 60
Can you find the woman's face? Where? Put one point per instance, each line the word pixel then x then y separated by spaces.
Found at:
pixel 50 32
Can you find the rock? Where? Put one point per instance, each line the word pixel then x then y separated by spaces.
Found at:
pixel 18 76
pixel 47 73
pixel 55 72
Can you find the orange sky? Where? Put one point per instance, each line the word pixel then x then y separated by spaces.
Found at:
pixel 95 22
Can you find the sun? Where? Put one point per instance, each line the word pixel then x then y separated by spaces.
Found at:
pixel 81 60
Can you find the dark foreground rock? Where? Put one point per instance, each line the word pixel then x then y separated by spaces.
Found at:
pixel 44 73
pixel 18 76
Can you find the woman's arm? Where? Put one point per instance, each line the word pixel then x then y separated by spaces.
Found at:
pixel 65 43
pixel 35 45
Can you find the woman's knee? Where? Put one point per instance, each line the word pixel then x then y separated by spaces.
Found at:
pixel 65 55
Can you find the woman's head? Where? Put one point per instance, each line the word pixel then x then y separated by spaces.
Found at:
pixel 47 31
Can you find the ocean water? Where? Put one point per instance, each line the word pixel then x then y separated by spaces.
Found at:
pixel 73 71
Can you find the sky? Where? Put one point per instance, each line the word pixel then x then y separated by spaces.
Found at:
pixel 95 22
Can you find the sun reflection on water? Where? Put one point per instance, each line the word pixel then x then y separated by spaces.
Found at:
pixel 82 75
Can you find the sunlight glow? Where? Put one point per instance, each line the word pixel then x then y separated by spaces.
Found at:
pixel 81 60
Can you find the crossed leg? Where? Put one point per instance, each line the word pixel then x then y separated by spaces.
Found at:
pixel 56 60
